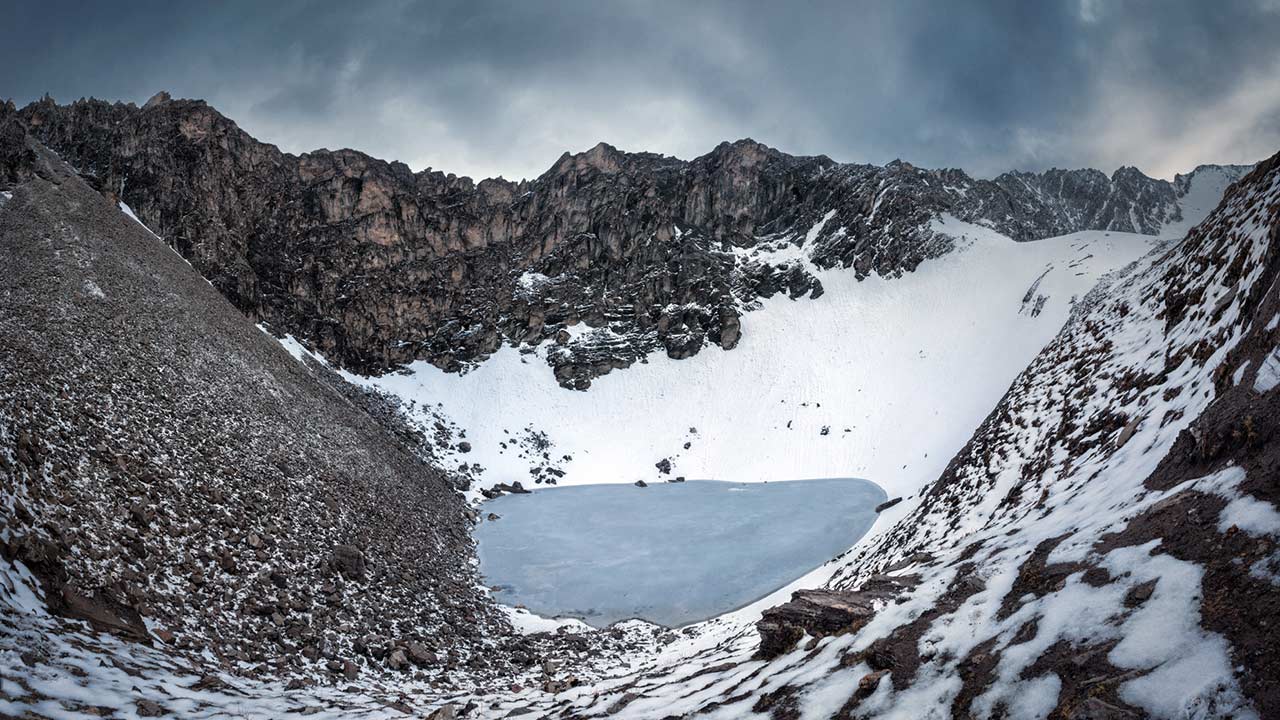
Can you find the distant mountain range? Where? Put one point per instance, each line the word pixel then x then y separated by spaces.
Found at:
pixel 376 266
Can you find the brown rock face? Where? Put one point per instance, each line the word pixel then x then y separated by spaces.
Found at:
pixel 376 266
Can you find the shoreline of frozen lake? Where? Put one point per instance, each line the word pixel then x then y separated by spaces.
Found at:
pixel 671 553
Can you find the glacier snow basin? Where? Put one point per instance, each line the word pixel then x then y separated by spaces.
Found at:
pixel 670 553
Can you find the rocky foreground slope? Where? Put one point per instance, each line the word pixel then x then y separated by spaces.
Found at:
pixel 172 477
pixel 376 266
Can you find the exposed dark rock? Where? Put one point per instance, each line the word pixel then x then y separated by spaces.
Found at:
pixel 419 654
pixel 150 708
pixel 444 712
pixel 887 504
pixel 820 613
pixel 348 561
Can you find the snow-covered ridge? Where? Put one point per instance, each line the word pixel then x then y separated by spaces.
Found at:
pixel 817 387
pixel 1104 546
pixel 883 378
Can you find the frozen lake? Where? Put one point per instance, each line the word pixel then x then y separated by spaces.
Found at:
pixel 671 553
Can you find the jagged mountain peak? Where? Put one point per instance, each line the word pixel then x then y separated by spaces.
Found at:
pixel 159 98
pixel 1127 173
pixel 439 256
pixel 602 157
pixel 744 150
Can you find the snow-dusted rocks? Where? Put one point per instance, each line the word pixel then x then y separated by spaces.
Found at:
pixel 822 613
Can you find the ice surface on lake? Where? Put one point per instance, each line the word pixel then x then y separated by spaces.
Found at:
pixel 671 553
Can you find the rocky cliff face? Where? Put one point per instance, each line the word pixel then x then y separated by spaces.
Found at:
pixel 376 266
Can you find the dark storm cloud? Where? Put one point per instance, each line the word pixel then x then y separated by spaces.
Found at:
pixel 504 87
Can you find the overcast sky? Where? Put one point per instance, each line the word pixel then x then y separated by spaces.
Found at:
pixel 485 88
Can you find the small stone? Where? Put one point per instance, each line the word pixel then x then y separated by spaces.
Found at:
pixel 869 682
pixel 228 563
pixel 887 504
pixel 1139 594
pixel 150 708
pixel 444 712
pixel 419 654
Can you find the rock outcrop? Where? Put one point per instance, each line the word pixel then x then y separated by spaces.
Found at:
pixel 821 612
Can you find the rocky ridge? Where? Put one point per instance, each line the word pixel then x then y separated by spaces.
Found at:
pixel 376 266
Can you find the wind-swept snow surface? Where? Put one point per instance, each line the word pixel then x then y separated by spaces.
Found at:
pixel 883 378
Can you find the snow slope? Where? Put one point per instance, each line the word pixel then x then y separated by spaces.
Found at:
pixel 1200 191
pixel 898 371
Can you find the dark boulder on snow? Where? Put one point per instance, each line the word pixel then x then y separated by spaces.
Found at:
pixel 515 488
pixel 822 612
pixel 348 561
pixel 887 504
pixel 811 612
